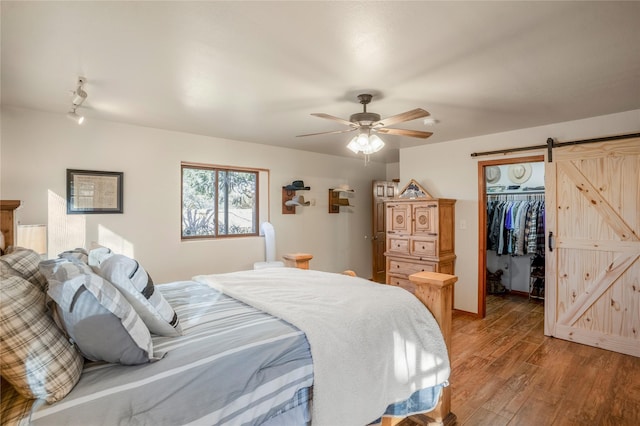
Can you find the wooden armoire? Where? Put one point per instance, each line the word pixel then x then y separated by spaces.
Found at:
pixel 420 237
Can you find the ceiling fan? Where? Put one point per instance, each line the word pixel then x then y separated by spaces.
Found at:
pixel 370 122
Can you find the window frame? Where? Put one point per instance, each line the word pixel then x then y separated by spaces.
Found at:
pixel 224 168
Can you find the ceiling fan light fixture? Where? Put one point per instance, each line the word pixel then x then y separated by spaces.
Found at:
pixel 376 143
pixel 353 145
pixel 367 144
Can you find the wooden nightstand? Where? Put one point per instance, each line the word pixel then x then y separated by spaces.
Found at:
pixel 297 260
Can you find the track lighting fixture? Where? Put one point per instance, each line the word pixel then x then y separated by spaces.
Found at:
pixel 75 116
pixel 79 96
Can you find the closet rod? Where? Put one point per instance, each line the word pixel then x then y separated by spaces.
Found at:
pixel 553 144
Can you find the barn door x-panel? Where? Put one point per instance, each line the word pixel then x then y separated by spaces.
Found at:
pixel 593 271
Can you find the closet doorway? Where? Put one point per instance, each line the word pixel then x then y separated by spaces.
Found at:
pixel 508 179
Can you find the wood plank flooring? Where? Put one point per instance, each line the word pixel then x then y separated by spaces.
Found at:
pixel 506 372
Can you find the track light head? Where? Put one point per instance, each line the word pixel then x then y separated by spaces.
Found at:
pixel 75 116
pixel 79 96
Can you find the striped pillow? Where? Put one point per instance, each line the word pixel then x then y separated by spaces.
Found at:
pixel 95 315
pixel 128 276
pixel 24 262
pixel 78 253
pixel 35 357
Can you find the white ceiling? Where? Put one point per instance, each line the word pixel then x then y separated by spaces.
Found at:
pixel 254 71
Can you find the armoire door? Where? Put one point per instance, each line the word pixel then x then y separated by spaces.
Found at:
pixel 593 229
pixel 382 191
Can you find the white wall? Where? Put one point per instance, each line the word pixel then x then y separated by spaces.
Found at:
pixel 447 170
pixel 393 171
pixel 37 148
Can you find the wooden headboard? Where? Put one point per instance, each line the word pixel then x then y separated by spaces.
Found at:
pixel 7 220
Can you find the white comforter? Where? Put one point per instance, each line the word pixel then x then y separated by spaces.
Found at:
pixel 372 344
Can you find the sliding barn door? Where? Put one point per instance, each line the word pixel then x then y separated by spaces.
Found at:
pixel 593 265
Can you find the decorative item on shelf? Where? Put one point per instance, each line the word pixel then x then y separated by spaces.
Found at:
pixel 297 185
pixel 519 173
pixel 492 174
pixel 297 200
pixel 495 188
pixel 289 193
pixel 336 201
pixel 344 188
pixel 414 190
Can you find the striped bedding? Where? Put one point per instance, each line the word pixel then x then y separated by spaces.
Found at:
pixel 234 365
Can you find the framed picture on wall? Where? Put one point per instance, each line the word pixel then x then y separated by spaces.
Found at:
pixel 94 192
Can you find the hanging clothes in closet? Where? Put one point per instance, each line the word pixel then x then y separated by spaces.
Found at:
pixel 515 224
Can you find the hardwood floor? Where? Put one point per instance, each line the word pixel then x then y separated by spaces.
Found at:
pixel 506 372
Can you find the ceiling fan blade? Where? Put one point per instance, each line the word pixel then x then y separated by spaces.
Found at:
pixel 328 133
pixel 331 117
pixel 405 132
pixel 399 118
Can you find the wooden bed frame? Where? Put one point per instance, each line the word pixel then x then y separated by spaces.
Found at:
pixel 7 220
pixel 433 289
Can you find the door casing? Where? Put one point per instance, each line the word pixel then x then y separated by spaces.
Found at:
pixel 482 222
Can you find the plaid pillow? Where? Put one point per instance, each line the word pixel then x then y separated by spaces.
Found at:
pixel 35 357
pixel 24 262
pixel 14 407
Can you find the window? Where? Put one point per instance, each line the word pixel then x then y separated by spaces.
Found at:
pixel 219 201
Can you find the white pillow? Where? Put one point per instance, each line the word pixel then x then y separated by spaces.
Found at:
pixel 97 255
pixel 128 276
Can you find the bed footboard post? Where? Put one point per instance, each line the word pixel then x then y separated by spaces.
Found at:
pixel 435 291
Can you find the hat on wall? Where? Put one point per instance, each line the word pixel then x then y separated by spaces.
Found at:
pixel 344 188
pixel 519 173
pixel 492 173
pixel 297 200
pixel 297 185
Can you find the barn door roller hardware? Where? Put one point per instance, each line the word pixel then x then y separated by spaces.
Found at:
pixel 551 143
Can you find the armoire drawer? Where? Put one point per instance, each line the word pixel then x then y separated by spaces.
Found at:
pixel 398 245
pixel 400 267
pixel 424 247
pixel 401 281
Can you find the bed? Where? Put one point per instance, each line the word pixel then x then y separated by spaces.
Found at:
pixel 247 354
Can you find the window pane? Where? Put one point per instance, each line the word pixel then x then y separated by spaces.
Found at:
pixel 222 203
pixel 241 197
pixel 219 201
pixel 198 202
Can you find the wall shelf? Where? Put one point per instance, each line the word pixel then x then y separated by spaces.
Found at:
pixel 288 194
pixel 336 201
